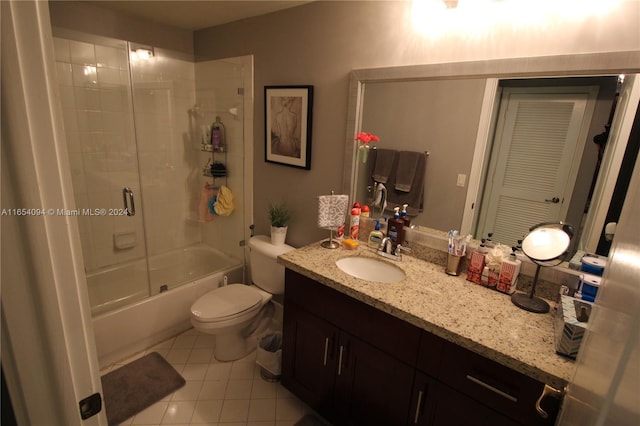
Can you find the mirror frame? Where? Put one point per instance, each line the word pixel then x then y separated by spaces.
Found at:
pixel 609 63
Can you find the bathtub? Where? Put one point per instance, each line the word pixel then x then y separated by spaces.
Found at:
pixel 126 320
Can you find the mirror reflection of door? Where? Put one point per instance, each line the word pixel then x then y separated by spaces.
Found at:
pixel 540 134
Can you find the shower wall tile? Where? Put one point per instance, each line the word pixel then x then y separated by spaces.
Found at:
pixel 82 53
pixel 67 97
pixel 98 119
pixel 111 77
pixel 114 99
pixel 64 74
pixel 166 168
pixel 61 50
pixel 87 98
pixel 106 151
pixel 107 56
pixel 84 75
pixel 89 121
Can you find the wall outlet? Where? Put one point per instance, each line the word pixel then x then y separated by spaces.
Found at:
pixel 462 179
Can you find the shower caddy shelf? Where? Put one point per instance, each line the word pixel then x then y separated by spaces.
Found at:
pixel 216 167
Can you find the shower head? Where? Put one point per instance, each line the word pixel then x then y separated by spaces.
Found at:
pixel 195 111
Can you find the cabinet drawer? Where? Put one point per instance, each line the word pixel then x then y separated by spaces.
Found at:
pixel 378 328
pixel 492 384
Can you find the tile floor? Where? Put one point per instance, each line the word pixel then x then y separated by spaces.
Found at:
pixel 216 393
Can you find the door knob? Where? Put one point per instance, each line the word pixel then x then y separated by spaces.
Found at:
pixel 554 200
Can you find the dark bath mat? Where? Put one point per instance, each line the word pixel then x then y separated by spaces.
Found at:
pixel 138 385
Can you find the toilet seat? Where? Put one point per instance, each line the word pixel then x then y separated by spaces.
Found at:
pixel 226 302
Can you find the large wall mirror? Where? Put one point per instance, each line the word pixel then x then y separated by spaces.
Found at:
pixel 508 143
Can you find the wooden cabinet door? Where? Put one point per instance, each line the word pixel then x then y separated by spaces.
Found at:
pixel 372 388
pixel 452 408
pixel 309 358
pixel 421 411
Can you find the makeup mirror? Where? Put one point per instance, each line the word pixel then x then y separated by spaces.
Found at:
pixel 546 244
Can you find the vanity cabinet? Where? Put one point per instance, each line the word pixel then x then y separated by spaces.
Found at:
pixel 348 379
pixel 436 404
pixel 357 365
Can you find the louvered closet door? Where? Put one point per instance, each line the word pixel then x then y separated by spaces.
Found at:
pixel 537 138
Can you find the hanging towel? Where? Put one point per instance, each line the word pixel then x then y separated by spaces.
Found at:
pixel 385 159
pixel 406 169
pixel 332 211
pixel 206 195
pixel 224 205
pixel 415 197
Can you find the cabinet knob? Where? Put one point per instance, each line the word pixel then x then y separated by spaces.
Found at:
pixel 547 391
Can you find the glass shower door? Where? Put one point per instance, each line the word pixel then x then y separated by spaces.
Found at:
pixel 94 83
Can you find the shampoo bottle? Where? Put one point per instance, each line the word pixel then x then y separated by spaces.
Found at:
pixel 375 236
pixel 395 227
pixel 217 135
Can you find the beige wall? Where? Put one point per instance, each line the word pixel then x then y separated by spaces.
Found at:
pixel 91 19
pixel 320 43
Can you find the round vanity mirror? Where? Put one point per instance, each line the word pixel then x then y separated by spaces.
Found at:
pixel 546 242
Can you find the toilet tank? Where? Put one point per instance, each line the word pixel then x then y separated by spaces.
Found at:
pixel 266 273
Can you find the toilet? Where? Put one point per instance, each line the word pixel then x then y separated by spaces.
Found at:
pixel 235 311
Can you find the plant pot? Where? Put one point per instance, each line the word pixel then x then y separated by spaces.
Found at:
pixel 278 235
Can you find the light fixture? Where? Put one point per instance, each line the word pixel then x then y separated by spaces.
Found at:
pixel 144 53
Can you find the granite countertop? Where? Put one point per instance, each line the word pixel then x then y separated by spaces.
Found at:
pixel 469 315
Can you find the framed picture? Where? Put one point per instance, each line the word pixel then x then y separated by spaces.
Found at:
pixel 287 121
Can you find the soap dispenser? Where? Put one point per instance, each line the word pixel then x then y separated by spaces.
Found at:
pixel 509 270
pixel 404 216
pixel 375 236
pixel 395 227
pixel 477 263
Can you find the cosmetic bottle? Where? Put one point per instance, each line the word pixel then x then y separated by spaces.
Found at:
pixel 404 216
pixel 354 223
pixel 217 135
pixel 375 236
pixel 395 227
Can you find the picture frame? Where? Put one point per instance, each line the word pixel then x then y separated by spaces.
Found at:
pixel 287 121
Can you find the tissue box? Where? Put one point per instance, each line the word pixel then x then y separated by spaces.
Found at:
pixel 570 324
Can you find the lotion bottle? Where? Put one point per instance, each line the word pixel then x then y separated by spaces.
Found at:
pixel 375 236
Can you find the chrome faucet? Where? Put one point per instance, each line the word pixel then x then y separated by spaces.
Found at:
pixel 387 249
pixel 386 245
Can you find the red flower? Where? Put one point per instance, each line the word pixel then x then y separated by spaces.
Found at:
pixel 366 137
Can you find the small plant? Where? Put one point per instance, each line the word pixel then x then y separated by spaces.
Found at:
pixel 279 214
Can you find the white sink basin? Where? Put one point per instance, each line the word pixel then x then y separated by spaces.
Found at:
pixel 371 269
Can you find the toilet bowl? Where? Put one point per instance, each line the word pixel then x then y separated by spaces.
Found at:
pixel 236 312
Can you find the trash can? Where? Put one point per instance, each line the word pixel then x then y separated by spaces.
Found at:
pixel 269 356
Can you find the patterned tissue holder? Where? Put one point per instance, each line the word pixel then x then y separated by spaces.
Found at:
pixel 570 324
pixel 332 210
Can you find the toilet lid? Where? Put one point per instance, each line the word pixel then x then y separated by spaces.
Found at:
pixel 225 301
